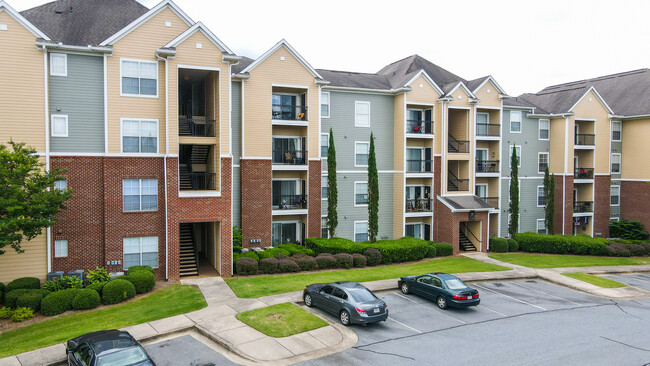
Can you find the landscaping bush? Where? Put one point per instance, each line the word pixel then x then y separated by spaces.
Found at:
pixel 431 251
pixel 250 254
pixel 561 244
pixel 443 249
pixel 143 281
pixel 67 282
pixel 24 283
pixel 12 296
pixel 120 277
pixel 295 248
pixel 359 260
pixel 636 250
pixel 246 266
pixel 99 274
pixel 236 249
pixel 498 245
pixel 373 256
pixel 513 246
pixel 401 250
pixel 343 260
pixel 133 269
pixel 52 286
pixel 86 299
pixel 2 292
pixel 288 265
pixel 268 253
pixel 97 286
pixel 269 265
pixel 627 229
pixel 647 248
pixel 334 246
pixel 22 314
pixel 325 261
pixel 281 257
pixel 300 255
pixel 58 302
pixel 117 291
pixel 618 250
pixel 30 300
pixel 305 262
pixel 5 312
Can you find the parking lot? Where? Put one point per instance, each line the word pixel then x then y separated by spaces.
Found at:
pixel 640 280
pixel 188 349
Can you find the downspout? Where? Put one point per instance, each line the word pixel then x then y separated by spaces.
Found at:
pixel 48 231
pixel 566 161
pixel 165 165
pixel 232 163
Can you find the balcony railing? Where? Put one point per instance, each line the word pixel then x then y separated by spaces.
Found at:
pixel 487 166
pixel 196 127
pixel 289 112
pixel 418 205
pixel 289 157
pixel 584 173
pixel 492 201
pixel 583 206
pixel 290 202
pixel 419 127
pixel 198 181
pixel 585 139
pixel 419 166
pixel 455 184
pixel 488 129
pixel 458 146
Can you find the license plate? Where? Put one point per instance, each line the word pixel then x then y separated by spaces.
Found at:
pixel 376 310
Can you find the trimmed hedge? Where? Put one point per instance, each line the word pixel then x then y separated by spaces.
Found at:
pixel 288 265
pixel 269 265
pixel 498 245
pixel 325 261
pixel 268 253
pixel 443 249
pixel 618 250
pixel 133 269
pixel 513 246
pixel 281 257
pixel 636 250
pixel 12 296
pixel 400 250
pixel 359 260
pixel 87 299
pixel 306 263
pixel 246 266
pixel 250 254
pixel 334 246
pixel 344 260
pixel 117 291
pixel 58 302
pixel 30 300
pixel 97 286
pixel 373 256
pixel 24 283
pixel 431 251
pixel 561 244
pixel 295 248
pixel 142 280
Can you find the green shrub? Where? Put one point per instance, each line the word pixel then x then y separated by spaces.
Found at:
pixel 344 260
pixel 140 268
pixel 373 256
pixel 23 283
pixel 11 297
pixel 117 291
pixel 120 277
pixel 99 274
pixel 561 244
pixel 443 249
pixel 647 248
pixel 498 245
pixel 86 299
pixel 97 286
pixel 325 261
pixel 305 262
pixel 250 254
pixel 67 282
pixel 22 314
pixel 618 250
pixel 359 260
pixel 295 248
pixel 58 302
pixel 513 246
pixel 5 312
pixel 236 249
pixel 30 300
pixel 334 246
pixel 143 281
pixel 431 250
pixel 401 250
pixel 2 291
pixel 636 250
pixel 52 286
pixel 268 253
pixel 269 265
pixel 627 229
pixel 288 266
pixel 246 266
pixel 281 257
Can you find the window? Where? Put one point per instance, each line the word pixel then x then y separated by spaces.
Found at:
pixel 325 104
pixel 324 144
pixel 615 195
pixel 542 162
pixel 139 78
pixel 58 64
pixel 541 198
pixel 324 230
pixel 614 219
pixel 362 114
pixel 61 184
pixel 140 194
pixel 544 129
pixel 361 150
pixel 324 185
pixel 616 163
pixel 360 231
pixel 616 131
pixel 59 124
pixel 142 251
pixel 482 124
pixel 413 230
pixel 518 148
pixel 541 226
pixel 284 232
pixel 360 193
pixel 60 248
pixel 139 136
pixel 515 121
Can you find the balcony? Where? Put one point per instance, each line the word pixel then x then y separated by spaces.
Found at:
pixel 197 181
pixel 197 127
pixel 585 139
pixel 583 206
pixel 196 168
pixel 457 146
pixel 583 173
pixel 487 166
pixel 418 205
pixel 419 166
pixel 289 112
pixel 289 156
pixel 419 127
pixel 289 202
pixel 492 201
pixel 455 184
pixel 488 129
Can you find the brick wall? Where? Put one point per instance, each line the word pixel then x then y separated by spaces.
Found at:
pixel 634 202
pixel 256 180
pixel 601 205
pixel 314 200
pixel 447 226
pixel 567 207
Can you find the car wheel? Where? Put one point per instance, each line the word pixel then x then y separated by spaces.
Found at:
pixel 442 303
pixel 308 300
pixel 344 316
pixel 405 288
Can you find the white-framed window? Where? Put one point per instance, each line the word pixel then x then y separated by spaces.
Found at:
pixel 140 194
pixel 58 64
pixel 286 232
pixel 61 184
pixel 540 196
pixel 360 231
pixel 141 251
pixel 361 151
pixel 616 163
pixel 139 78
pixel 515 121
pixel 542 162
pixel 541 226
pixel 325 104
pixel 615 195
pixel 614 219
pixel 413 230
pixel 361 193
pixel 361 114
pixel 617 129
pixel 518 148
pixel 544 129
pixel 59 125
pixel 324 185
pixel 324 144
pixel 139 136
pixel 324 230
pixel 60 248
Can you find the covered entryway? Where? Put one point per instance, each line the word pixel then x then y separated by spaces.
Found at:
pixel 200 245
pixel 462 220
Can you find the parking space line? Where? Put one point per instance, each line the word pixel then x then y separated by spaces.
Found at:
pixel 405 298
pixel 510 297
pixel 451 317
pixel 494 311
pixel 404 325
pixel 547 294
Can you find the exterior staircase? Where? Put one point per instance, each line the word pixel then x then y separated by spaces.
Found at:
pixel 464 242
pixel 199 154
pixel 189 265
pixel 185 178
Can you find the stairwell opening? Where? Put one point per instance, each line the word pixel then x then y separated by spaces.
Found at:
pixel 469 236
pixel 200 249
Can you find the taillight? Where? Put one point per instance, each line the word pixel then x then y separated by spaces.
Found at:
pixel 360 310
pixel 460 297
pixel 475 296
pixel 386 306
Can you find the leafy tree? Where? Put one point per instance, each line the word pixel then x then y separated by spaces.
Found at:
pixel 373 193
pixel 549 201
pixel 514 194
pixel 332 190
pixel 627 229
pixel 236 236
pixel 27 204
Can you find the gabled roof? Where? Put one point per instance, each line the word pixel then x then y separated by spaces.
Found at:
pixel 243 63
pixel 464 203
pixel 21 19
pixel 348 79
pixel 199 27
pixel 294 53
pixel 451 88
pixel 399 72
pixel 518 102
pixel 476 84
pixel 427 78
pixel 83 22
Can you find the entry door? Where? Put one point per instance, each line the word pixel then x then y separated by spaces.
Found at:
pixel 481 190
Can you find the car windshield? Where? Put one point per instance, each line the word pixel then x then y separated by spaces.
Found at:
pixel 126 356
pixel 455 284
pixel 362 295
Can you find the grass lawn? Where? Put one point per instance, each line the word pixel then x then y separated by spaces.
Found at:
pixel 169 301
pixel 249 287
pixel 281 320
pixel 594 280
pixel 566 260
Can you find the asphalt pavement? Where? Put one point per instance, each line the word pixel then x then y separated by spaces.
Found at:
pixel 185 350
pixel 641 280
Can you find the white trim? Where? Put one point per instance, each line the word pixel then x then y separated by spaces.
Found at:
pixel 614 218
pixel 521 123
pixel 344 89
pixel 197 67
pixel 140 252
pixel 537 226
pixel 139 194
pixel 619 195
pixel 420 223
pixel 52 118
pixel 46 108
pixel 510 156
pixel 288 212
pixel 527 178
pixel 465 89
pixel 355 193
pixel 122 119
pixel 65 64
pixel 428 79
pixel 243 121
pixel 355 153
pixel 198 26
pixel 291 50
pixel 600 99
pixel 631 180
pixel 183 194
pixel 620 163
pixel 320 146
pixel 122 94
pixel 67 246
pixel 106 104
pixel 255 158
pixel 494 82
pixel 539 129
pixel 289 86
pixel 537 195
pixel 356 113
pixel 24 22
pixel 354 227
pixel 329 103
pixel 365 171
pixel 620 139
pixel 548 160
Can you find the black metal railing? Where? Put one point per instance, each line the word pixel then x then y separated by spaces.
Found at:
pixel 468 233
pixel 289 112
pixel 200 181
pixel 583 206
pixel 197 127
pixel 457 146
pixel 419 127
pixel 419 166
pixel 488 129
pixel 289 201
pixel 585 139
pixel 583 173
pixel 290 156
pixel 492 201
pixel 487 166
pixel 418 205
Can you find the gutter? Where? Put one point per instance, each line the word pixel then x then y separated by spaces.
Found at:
pixel 48 231
pixel 165 162
pixel 63 47
pixel 365 90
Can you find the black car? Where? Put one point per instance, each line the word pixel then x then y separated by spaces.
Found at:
pixel 106 348
pixel 352 302
pixel 445 289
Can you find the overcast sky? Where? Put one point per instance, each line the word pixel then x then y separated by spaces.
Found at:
pixel 525 46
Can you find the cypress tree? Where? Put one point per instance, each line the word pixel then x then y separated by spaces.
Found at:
pixel 373 193
pixel 549 201
pixel 514 194
pixel 332 190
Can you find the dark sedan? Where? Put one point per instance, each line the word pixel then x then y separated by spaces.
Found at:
pixel 352 302
pixel 106 348
pixel 445 289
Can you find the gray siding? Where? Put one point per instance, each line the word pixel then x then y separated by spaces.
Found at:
pixel 235 113
pixel 617 147
pixel 80 96
pixel 236 196
pixel 529 213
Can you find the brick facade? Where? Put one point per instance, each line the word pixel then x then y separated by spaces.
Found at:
pixel 256 201
pixel 567 207
pixel 447 226
pixel 314 200
pixel 634 202
pixel 601 205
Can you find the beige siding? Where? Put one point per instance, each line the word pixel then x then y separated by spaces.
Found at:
pixel 422 92
pixel 635 163
pixel 32 263
pixel 398 205
pixel 22 88
pixel 556 159
pixel 591 108
pixel 463 101
pixel 398 138
pixel 490 99
pixel 437 128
